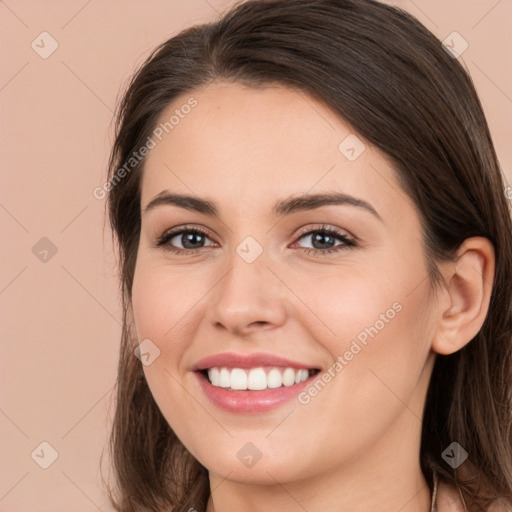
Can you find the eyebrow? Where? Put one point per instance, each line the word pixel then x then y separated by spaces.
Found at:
pixel 284 207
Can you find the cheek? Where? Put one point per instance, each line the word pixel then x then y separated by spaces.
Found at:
pixel 163 308
pixel 378 353
pixel 374 323
pixel 163 302
pixel 344 303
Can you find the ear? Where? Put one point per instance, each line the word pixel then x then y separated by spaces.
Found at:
pixel 466 296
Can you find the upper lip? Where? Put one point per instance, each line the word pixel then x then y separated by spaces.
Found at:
pixel 231 360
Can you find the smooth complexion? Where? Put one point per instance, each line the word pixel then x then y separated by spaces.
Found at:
pixel 355 447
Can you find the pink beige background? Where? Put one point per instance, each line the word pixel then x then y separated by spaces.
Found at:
pixel 60 315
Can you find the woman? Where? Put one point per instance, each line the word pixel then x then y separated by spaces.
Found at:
pixel 367 370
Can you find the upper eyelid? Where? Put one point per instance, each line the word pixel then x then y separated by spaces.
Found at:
pixel 324 227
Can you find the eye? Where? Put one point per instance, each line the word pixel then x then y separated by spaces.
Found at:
pixel 324 238
pixel 188 237
pixel 192 240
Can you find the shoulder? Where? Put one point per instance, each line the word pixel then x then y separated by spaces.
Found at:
pixel 449 500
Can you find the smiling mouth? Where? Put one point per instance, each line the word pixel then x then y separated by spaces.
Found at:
pixel 256 379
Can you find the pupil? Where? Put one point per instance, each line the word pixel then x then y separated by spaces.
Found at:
pixel 319 236
pixel 190 238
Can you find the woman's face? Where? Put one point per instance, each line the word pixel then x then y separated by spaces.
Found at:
pixel 259 292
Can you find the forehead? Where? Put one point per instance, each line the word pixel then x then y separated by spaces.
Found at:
pixel 253 146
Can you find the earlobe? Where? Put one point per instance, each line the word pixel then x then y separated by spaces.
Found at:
pixel 468 293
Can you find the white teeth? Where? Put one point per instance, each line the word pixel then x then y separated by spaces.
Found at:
pixel 274 378
pixel 289 377
pixel 238 379
pixel 256 378
pixel 214 376
pixel 224 378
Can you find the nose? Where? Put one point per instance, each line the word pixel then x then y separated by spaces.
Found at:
pixel 248 298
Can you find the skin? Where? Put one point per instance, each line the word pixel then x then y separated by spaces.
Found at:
pixel 245 149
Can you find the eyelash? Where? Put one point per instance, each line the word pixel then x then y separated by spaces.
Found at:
pixel 347 242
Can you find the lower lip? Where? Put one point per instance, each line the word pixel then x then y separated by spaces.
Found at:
pixel 250 401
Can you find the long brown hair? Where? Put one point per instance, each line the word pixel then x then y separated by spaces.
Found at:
pixel 391 79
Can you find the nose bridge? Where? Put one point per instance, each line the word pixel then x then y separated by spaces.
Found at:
pixel 248 292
